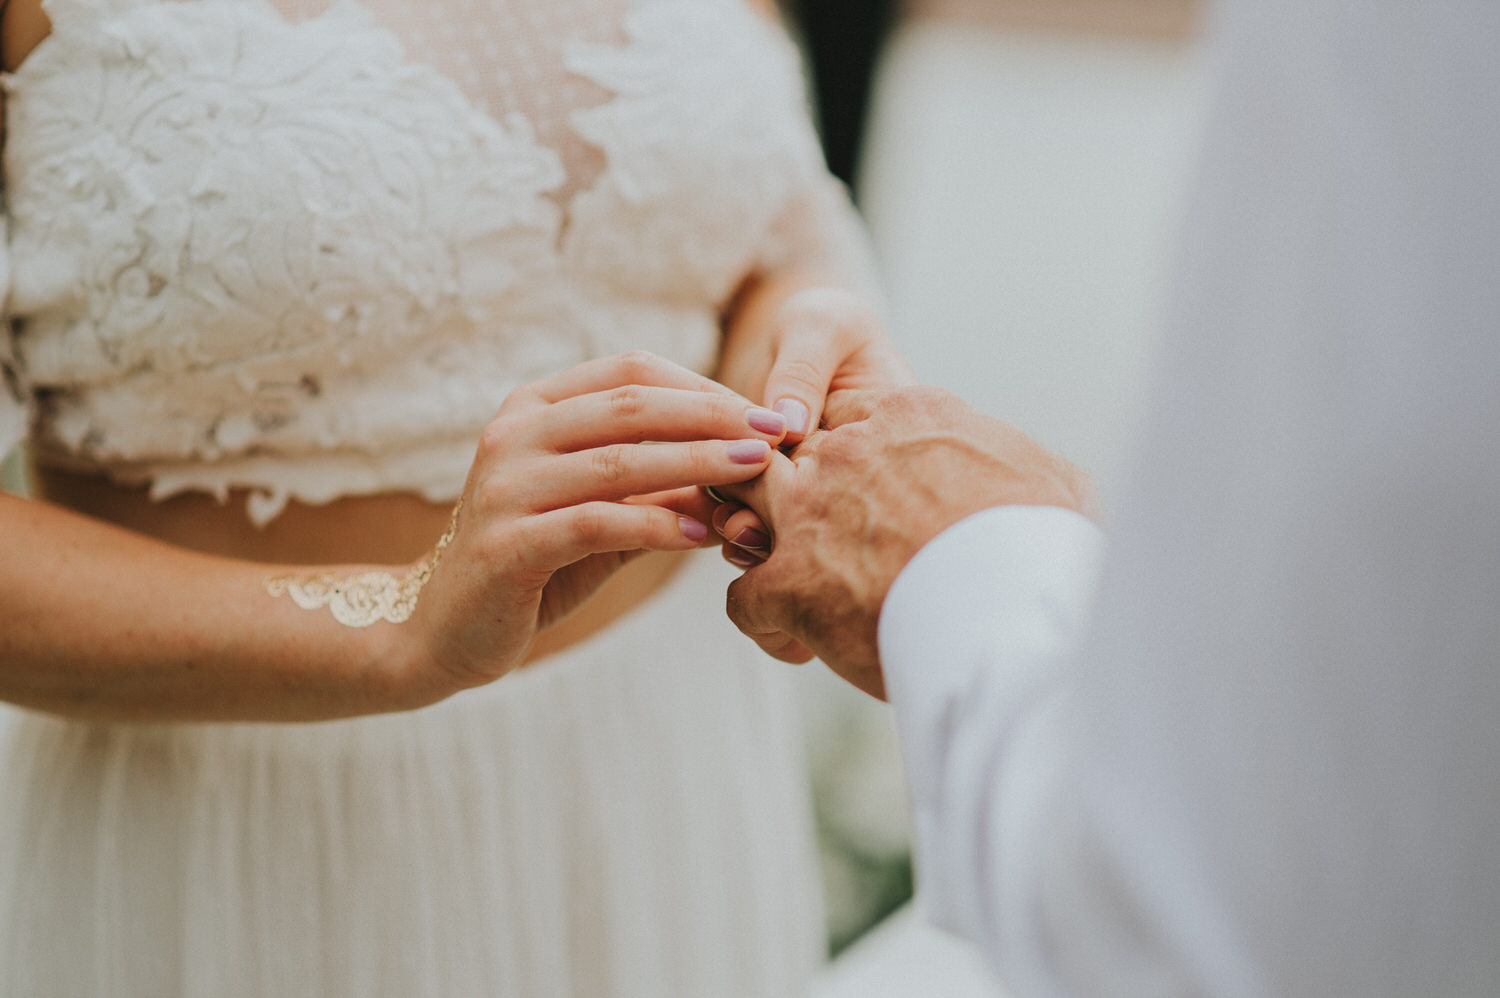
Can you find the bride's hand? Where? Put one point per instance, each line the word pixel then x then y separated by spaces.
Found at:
pixel 545 518
pixel 822 340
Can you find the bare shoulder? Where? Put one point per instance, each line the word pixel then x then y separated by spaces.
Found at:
pixel 23 25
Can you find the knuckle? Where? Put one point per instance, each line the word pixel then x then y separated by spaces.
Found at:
pixel 801 371
pixel 635 365
pixel 589 524
pixel 493 438
pixel 706 455
pixel 507 436
pixel 517 400
pixel 612 464
pixel 627 402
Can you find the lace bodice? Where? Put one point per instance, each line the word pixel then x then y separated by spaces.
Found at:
pixel 308 248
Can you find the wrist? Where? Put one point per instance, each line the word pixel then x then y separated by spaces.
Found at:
pixel 404 672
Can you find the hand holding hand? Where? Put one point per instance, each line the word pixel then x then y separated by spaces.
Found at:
pixel 822 339
pixel 852 506
pixel 564 490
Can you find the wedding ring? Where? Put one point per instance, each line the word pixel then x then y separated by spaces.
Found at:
pixel 715 495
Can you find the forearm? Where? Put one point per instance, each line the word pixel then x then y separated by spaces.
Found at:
pixel 100 623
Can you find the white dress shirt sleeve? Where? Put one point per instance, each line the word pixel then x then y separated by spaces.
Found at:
pixel 1269 761
pixel 970 637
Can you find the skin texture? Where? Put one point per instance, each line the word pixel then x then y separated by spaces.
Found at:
pixel 102 623
pixel 804 338
pixel 855 502
pixel 165 619
pixel 564 492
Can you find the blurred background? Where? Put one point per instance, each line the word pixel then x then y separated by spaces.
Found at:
pixel 1022 165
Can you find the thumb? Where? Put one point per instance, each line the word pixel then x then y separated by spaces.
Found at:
pixel 852 405
pixel 807 358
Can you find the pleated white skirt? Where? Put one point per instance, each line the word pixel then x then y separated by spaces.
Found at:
pixel 629 818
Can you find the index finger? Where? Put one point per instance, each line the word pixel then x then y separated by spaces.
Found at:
pixel 638 367
pixel 763 493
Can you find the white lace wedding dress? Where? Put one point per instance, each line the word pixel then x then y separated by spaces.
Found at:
pixel 306 251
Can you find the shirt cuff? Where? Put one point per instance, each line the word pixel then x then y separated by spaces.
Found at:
pixel 1026 565
pixel 981 614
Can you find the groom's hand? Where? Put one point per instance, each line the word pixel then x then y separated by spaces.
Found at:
pixel 853 505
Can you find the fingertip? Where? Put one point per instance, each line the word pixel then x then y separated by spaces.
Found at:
pixel 738 557
pixel 748 452
pixel 796 413
pixel 768 421
pixel 692 529
pixel 744 528
pixel 722 514
pixel 751 539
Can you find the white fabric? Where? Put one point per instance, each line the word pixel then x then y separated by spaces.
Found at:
pixel 280 249
pixel 618 821
pixel 263 248
pixel 1268 765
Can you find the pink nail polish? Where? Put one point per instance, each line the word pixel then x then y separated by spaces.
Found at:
pixel 743 559
pixel 692 529
pixel 753 539
pixel 795 414
pixel 766 421
pixel 748 451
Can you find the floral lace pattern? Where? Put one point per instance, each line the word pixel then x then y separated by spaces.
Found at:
pixel 258 252
pixel 746 150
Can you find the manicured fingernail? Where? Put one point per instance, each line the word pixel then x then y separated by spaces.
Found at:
pixel 795 414
pixel 752 538
pixel 692 529
pixel 748 451
pixel 721 517
pixel 766 421
pixel 743 559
